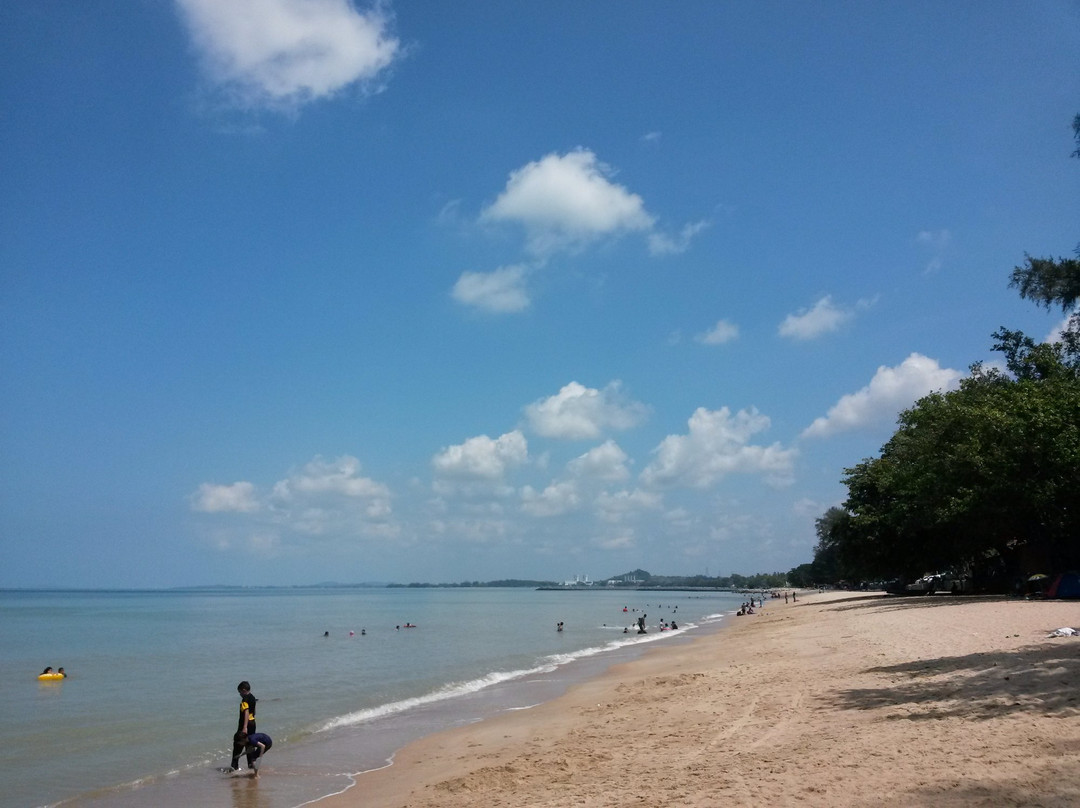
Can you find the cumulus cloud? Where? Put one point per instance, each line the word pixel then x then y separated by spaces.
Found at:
pixel 604 462
pixel 287 52
pixel 890 391
pixel 719 334
pixel 501 291
pixel 821 318
pixel 482 458
pixel 577 412
pixel 613 507
pixel 663 244
pixel 334 478
pixel 324 498
pixel 236 498
pixel 717 444
pixel 555 500
pixel 331 498
pixel 566 202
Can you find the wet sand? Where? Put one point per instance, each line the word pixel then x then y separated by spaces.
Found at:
pixel 841 699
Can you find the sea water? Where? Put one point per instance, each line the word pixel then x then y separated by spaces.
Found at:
pixel 147 714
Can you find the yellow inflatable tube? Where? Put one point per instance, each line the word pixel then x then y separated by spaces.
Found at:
pixel 51 677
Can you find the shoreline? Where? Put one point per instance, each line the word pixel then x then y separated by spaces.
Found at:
pixel 844 699
pixel 334 708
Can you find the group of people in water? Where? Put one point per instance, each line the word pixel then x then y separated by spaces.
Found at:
pixel 639 622
pixel 49 673
pixel 748 607
pixel 363 631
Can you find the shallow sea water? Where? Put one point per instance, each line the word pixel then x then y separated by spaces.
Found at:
pixel 147 713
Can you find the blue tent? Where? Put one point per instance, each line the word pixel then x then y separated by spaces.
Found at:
pixel 1065 585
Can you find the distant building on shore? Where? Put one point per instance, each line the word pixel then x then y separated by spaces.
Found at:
pixel 582 580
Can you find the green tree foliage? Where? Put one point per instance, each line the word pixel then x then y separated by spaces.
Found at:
pixel 1049 282
pixel 984 477
pixel 802 576
pixel 828 564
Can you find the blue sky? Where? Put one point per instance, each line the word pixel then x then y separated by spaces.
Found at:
pixel 306 290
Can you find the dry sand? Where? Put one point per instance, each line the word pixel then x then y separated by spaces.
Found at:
pixel 838 700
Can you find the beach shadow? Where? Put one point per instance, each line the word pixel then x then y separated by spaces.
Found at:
pixel 1040 679
pixel 1054 794
pixel 892 603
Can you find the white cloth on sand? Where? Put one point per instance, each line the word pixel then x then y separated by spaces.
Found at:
pixel 1063 632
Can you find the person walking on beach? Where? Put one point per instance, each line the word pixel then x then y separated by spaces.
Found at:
pixel 245 724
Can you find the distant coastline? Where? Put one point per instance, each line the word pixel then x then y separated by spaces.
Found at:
pixel 636 581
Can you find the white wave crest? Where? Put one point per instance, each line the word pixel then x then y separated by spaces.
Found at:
pixel 455 689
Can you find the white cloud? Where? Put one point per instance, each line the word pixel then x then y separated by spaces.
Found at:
pixel 287 52
pixel 615 507
pixel 577 412
pixel 717 444
pixel 890 391
pixel 1059 330
pixel 482 458
pixel 604 462
pixel 327 499
pixel 663 244
pixel 501 291
pixel 236 498
pixel 335 478
pixel 555 500
pixel 719 334
pixel 822 318
pixel 566 202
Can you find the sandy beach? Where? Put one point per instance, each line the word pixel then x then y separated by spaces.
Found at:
pixel 841 699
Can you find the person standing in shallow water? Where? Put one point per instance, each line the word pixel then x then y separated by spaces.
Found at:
pixel 245 723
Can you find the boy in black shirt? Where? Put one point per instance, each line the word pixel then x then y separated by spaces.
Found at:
pixel 245 723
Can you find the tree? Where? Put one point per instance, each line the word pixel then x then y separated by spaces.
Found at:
pixel 801 576
pixel 987 474
pixel 1049 282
